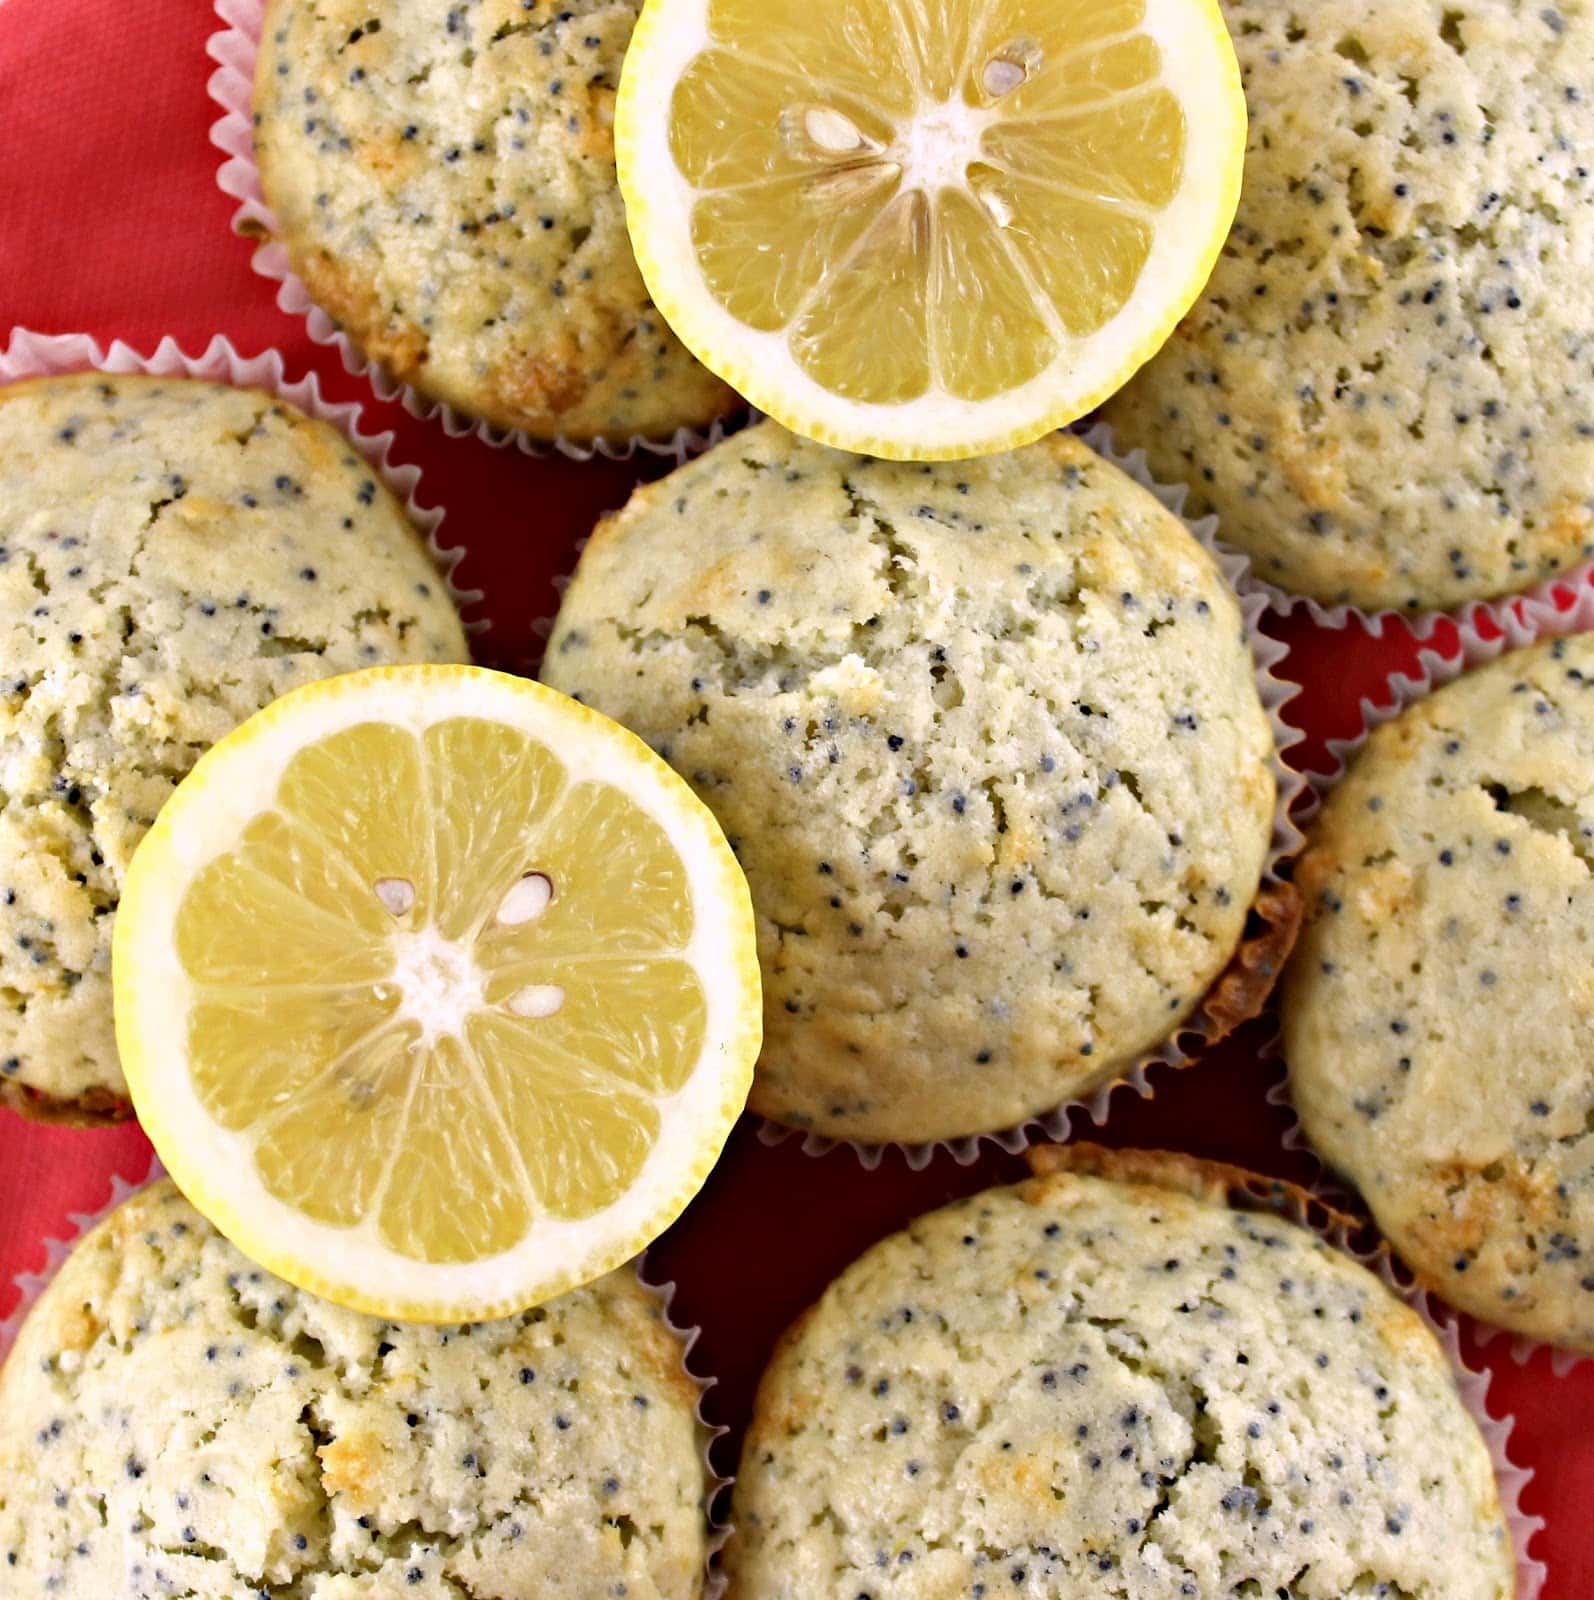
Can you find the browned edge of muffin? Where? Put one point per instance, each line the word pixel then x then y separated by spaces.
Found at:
pixel 94 1108
pixel 1212 1182
pixel 1241 990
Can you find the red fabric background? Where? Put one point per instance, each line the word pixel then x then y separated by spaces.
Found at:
pixel 111 224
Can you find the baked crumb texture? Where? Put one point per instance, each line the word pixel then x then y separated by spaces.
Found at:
pixel 176 1422
pixel 1387 392
pixel 1085 1387
pixel 443 179
pixel 986 738
pixel 173 556
pixel 1439 1013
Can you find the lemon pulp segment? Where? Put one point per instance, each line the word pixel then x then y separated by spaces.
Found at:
pixel 929 205
pixel 440 987
pixel 992 190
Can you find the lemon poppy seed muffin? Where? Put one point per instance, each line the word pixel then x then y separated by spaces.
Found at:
pixel 443 180
pixel 173 555
pixel 1108 1381
pixel 1439 1014
pixel 1387 391
pixel 174 1421
pixel 987 740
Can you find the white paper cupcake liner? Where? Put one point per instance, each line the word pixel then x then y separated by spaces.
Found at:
pixel 231 86
pixel 1184 1046
pixel 42 355
pixel 1473 1386
pixel 1421 622
pixel 30 1285
pixel 715 1494
pixel 1483 634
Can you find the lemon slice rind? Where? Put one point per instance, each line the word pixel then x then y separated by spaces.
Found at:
pixel 1188 238
pixel 231 784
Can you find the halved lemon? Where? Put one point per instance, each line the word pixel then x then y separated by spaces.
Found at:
pixel 928 228
pixel 437 992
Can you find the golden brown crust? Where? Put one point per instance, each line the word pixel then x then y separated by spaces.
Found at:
pixel 49 384
pixel 348 300
pixel 550 381
pixel 349 1467
pixel 64 1316
pixel 11 393
pixel 94 1108
pixel 773 1411
pixel 1244 985
pixel 1210 1182
pixel 1515 1203
pixel 658 1347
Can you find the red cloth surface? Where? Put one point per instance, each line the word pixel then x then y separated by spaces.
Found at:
pixel 111 224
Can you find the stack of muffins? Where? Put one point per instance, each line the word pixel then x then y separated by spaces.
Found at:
pixel 992 745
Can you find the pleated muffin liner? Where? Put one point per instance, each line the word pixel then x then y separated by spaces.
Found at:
pixel 716 1495
pixel 234 48
pixel 1484 633
pixel 31 1285
pixel 46 355
pixel 1275 897
pixel 1245 1190
pixel 1422 621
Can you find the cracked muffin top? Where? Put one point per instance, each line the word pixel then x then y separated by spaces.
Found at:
pixel 443 180
pixel 1387 391
pixel 1439 1013
pixel 174 1421
pixel 1113 1384
pixel 173 556
pixel 986 738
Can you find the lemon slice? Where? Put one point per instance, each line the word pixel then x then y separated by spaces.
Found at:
pixel 928 228
pixel 436 991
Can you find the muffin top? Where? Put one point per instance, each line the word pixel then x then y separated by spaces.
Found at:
pixel 175 1421
pixel 1387 391
pixel 443 180
pixel 1113 1385
pixel 986 738
pixel 1439 1013
pixel 173 555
